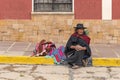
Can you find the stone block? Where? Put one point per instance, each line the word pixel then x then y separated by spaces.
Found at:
pixel 83 75
pixel 108 37
pixel 51 76
pixel 116 76
pixel 96 29
pixel 87 24
pixel 115 69
pixel 84 79
pixel 69 22
pixel 6 38
pixel 55 31
pixel 101 75
pixel 113 79
pixel 113 41
pixel 52 70
pixel 114 22
pixel 116 33
pixel 67 32
pixel 2 23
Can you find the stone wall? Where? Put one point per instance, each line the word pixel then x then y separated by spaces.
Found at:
pixel 57 28
pixel 103 31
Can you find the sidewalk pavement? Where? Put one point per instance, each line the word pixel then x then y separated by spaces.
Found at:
pixel 53 72
pixel 25 49
pixel 19 52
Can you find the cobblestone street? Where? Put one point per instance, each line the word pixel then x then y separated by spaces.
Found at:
pixel 54 72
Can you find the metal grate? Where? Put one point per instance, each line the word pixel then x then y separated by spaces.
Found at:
pixel 52 5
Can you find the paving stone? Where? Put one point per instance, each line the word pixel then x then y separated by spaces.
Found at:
pixel 52 69
pixel 3 66
pixel 85 75
pixel 112 79
pixel 101 75
pixel 116 76
pixel 14 53
pixel 114 73
pixel 3 79
pixel 3 48
pixel 80 70
pixel 51 76
pixel 10 75
pixel 18 48
pixel 28 53
pixel 25 77
pixel 91 70
pixel 4 71
pixel 16 76
pixel 23 68
pixel 84 79
pixel 98 69
pixel 115 69
pixel 31 47
pixel 20 65
pixel 2 52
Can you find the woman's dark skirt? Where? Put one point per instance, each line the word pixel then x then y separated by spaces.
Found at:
pixel 76 58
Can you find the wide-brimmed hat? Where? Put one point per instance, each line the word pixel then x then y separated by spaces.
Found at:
pixel 80 26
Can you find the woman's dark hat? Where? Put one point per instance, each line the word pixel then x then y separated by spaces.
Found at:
pixel 80 26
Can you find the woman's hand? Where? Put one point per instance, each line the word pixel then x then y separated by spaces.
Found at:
pixel 84 48
pixel 78 47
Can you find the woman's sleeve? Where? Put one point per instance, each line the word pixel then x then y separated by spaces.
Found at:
pixel 88 40
pixel 69 42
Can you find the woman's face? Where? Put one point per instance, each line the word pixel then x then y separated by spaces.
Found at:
pixel 80 31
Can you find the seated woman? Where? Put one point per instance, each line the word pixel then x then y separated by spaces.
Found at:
pixel 77 48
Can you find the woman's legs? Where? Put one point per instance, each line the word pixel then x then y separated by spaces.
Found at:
pixel 76 59
pixel 80 57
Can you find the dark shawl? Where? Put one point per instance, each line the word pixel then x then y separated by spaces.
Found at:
pixel 83 41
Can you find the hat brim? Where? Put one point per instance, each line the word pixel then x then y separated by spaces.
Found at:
pixel 80 28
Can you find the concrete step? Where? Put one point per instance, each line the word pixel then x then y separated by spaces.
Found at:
pixel 48 61
pixel 25 60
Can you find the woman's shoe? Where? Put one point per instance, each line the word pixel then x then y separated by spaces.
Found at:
pixel 70 65
pixel 75 67
pixel 85 62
